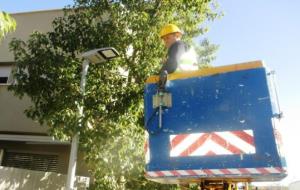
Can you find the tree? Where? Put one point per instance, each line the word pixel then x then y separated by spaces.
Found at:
pixel 48 70
pixel 7 24
pixel 206 52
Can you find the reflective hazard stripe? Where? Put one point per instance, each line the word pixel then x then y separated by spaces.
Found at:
pixel 212 144
pixel 216 172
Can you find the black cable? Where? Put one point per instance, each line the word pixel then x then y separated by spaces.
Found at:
pixel 151 117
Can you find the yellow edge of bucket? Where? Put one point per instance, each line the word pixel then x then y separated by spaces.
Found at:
pixel 209 71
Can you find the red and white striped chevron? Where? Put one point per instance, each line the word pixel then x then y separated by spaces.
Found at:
pixel 215 172
pixel 214 143
pixel 146 148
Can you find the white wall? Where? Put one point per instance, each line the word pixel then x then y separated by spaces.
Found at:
pixel 21 179
pixel 26 24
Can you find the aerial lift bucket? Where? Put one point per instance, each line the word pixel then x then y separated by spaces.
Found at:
pixel 215 124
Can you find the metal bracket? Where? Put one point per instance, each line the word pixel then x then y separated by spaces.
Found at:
pixel 162 99
pixel 272 76
pixel 278 115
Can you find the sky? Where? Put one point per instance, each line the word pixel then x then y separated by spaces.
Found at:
pixel 249 30
pixel 17 6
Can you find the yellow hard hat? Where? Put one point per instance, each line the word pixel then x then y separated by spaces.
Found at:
pixel 169 29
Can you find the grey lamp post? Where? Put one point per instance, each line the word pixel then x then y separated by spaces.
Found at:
pixel 94 57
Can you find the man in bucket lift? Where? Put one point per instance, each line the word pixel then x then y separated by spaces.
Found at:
pixel 180 56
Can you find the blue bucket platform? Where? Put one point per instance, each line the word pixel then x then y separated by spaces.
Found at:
pixel 220 125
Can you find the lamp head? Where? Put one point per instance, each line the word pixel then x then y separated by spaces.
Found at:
pixel 100 55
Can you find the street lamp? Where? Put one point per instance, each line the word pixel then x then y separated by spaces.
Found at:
pixel 93 56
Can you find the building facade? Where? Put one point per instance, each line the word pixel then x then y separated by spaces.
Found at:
pixel 25 147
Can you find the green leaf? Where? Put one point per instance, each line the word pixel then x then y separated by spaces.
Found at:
pixel 7 24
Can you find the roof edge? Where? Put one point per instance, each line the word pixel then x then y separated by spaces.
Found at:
pixel 37 11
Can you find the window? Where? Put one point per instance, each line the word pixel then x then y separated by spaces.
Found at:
pixel 4 74
pixel 3 80
pixel 39 162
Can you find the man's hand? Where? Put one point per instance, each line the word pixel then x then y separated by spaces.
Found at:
pixel 163 77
